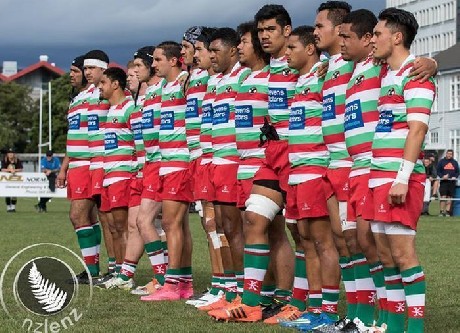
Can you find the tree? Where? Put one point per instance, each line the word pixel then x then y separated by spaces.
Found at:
pixel 17 110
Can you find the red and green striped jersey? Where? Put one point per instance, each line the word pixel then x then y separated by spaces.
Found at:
pixel 119 149
pixel 281 89
pixel 361 115
pixel 195 93
pixel 151 121
pixel 401 101
pixel 174 151
pixel 334 90
pixel 136 125
pixel 223 121
pixel 308 154
pixel 206 119
pixel 97 116
pixel 251 107
pixel 77 148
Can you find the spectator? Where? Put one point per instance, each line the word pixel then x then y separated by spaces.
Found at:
pixel 50 166
pixel 430 179
pixel 448 173
pixel 11 164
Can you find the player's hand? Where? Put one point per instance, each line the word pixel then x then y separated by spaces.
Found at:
pixel 321 71
pixel 397 194
pixel 423 69
pixel 61 180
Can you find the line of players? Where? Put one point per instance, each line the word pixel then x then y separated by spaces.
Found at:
pixel 258 123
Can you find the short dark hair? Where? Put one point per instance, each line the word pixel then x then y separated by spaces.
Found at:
pixel 116 74
pixel 449 151
pixel 305 34
pixel 277 12
pixel 250 27
pixel 171 50
pixel 228 36
pixel 206 35
pixel 400 20
pixel 337 10
pixel 362 21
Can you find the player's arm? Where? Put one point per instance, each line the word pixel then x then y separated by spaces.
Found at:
pixel 423 69
pixel 62 175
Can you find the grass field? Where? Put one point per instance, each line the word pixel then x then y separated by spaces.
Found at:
pixel 118 311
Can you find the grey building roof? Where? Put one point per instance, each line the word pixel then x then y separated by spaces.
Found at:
pixel 449 59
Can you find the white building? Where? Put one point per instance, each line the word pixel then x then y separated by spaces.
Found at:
pixel 438 24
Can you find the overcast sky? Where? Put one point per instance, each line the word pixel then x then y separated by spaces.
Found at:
pixel 63 29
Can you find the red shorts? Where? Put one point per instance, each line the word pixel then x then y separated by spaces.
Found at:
pixel 243 191
pixel 195 170
pixel 176 186
pixel 204 190
pixel 307 200
pixel 97 178
pixel 358 189
pixel 224 183
pixel 116 195
pixel 377 208
pixel 135 192
pixel 150 181
pixel 276 164
pixel 338 183
pixel 79 183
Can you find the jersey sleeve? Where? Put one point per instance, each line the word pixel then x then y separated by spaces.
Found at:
pixel 419 98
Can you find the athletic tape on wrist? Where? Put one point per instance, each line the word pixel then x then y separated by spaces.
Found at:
pixel 404 172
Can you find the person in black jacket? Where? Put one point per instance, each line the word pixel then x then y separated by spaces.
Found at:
pixel 448 173
pixel 11 164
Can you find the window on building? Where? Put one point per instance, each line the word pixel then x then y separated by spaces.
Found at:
pixel 455 92
pixel 455 142
pixel 434 137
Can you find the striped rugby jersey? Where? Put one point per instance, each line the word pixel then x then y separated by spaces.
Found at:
pixel 174 151
pixel 251 107
pixel 97 116
pixel 401 100
pixel 151 121
pixel 136 125
pixel 308 154
pixel 334 89
pixel 206 119
pixel 223 121
pixel 119 149
pixel 281 89
pixel 195 93
pixel 361 115
pixel 77 148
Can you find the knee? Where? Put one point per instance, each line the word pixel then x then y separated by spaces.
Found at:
pixel 403 258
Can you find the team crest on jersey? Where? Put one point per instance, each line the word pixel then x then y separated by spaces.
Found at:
pixel 114 120
pixel 306 91
pixel 213 90
pixel 359 79
pixel 335 75
pixel 199 83
pixel 286 71
pixel 391 92
pixel 228 89
pixel 252 90
pixel 172 98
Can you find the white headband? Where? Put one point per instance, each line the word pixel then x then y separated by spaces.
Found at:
pixel 95 63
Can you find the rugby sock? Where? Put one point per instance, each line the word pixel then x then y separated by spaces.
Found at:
pixel 239 282
pixel 186 275
pixel 97 230
pixel 256 259
pixel 88 245
pixel 127 270
pixel 414 289
pixel 315 301
pixel 157 260
pixel 396 300
pixel 282 296
pixel 111 262
pixel 300 289
pixel 230 286
pixel 267 294
pixel 172 276
pixel 376 271
pixel 215 283
pixel 348 278
pixel 330 301
pixel 118 267
pixel 365 290
pixel 164 245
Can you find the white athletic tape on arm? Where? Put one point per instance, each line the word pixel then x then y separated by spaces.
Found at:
pixel 215 239
pixel 263 206
pixel 404 172
pixel 95 63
